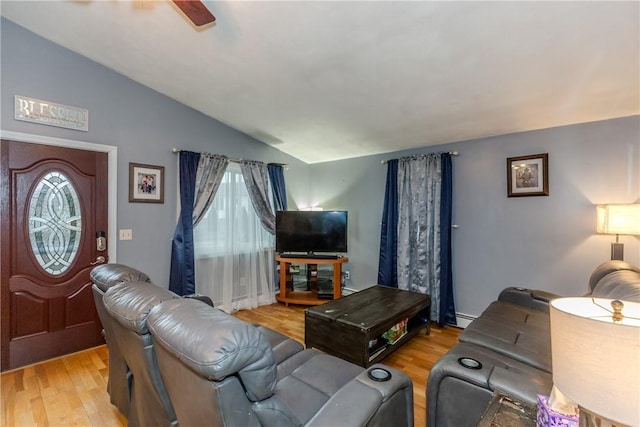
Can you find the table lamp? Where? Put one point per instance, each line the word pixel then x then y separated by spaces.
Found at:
pixel 595 356
pixel 618 219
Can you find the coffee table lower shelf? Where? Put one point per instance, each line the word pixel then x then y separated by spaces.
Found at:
pixel 377 355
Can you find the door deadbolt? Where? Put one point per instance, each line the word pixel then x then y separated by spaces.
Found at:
pixel 101 241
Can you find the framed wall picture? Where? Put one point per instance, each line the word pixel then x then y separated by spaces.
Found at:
pixel 528 175
pixel 146 183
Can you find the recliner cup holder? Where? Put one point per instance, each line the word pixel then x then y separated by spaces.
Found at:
pixel 469 363
pixel 379 374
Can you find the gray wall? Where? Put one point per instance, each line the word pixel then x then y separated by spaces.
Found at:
pixel 142 123
pixel 538 242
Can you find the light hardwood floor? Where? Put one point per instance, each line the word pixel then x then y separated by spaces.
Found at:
pixel 72 390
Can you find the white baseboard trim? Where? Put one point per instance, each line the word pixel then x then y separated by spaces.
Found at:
pixel 464 320
pixel 349 291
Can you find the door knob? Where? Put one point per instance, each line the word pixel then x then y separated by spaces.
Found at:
pixel 99 260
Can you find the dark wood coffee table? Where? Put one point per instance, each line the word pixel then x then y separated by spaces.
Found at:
pixel 352 327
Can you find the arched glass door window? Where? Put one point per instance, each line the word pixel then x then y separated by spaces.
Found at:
pixel 55 222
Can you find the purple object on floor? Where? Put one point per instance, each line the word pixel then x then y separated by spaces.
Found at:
pixel 547 417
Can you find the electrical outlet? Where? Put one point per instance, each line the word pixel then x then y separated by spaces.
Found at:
pixel 126 234
pixel 347 275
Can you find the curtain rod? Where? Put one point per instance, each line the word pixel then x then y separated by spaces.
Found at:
pixel 453 153
pixel 177 150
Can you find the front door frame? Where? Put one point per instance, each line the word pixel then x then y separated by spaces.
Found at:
pixel 112 155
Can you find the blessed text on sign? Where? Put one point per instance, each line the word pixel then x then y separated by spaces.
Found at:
pixel 50 113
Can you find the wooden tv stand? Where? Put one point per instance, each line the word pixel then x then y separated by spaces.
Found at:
pixel 310 297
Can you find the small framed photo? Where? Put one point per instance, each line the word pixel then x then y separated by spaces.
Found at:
pixel 528 175
pixel 146 183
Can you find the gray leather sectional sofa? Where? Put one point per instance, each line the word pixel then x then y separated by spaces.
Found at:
pixel 508 349
pixel 189 363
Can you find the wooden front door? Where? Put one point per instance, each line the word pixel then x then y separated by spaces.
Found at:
pixel 53 206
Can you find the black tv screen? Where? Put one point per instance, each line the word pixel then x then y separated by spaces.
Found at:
pixel 311 231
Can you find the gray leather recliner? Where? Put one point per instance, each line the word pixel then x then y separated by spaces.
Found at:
pixel 511 343
pixel 221 371
pixel 103 278
pixel 129 305
pixel 120 382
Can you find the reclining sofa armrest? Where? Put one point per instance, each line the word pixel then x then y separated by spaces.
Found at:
pixel 520 386
pixel 366 402
pixel 543 296
pixel 532 298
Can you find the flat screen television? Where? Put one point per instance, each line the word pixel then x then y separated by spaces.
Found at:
pixel 311 231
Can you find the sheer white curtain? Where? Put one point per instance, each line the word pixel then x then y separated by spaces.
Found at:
pixel 234 253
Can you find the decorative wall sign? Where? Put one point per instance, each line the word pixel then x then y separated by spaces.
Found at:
pixel 50 113
pixel 528 175
pixel 146 183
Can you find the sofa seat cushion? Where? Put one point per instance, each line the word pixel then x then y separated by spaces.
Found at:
pixel 516 331
pixel 283 347
pixel 308 379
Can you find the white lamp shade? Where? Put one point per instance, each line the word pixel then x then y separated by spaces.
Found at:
pixel 596 362
pixel 618 219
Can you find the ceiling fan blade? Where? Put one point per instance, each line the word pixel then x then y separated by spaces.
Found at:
pixel 196 11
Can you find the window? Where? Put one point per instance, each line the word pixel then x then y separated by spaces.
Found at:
pixel 55 223
pixel 234 253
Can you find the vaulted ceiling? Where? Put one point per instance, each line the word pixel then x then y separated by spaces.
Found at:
pixel 330 80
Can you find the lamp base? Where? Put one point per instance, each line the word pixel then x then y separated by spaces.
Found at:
pixel 617 251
